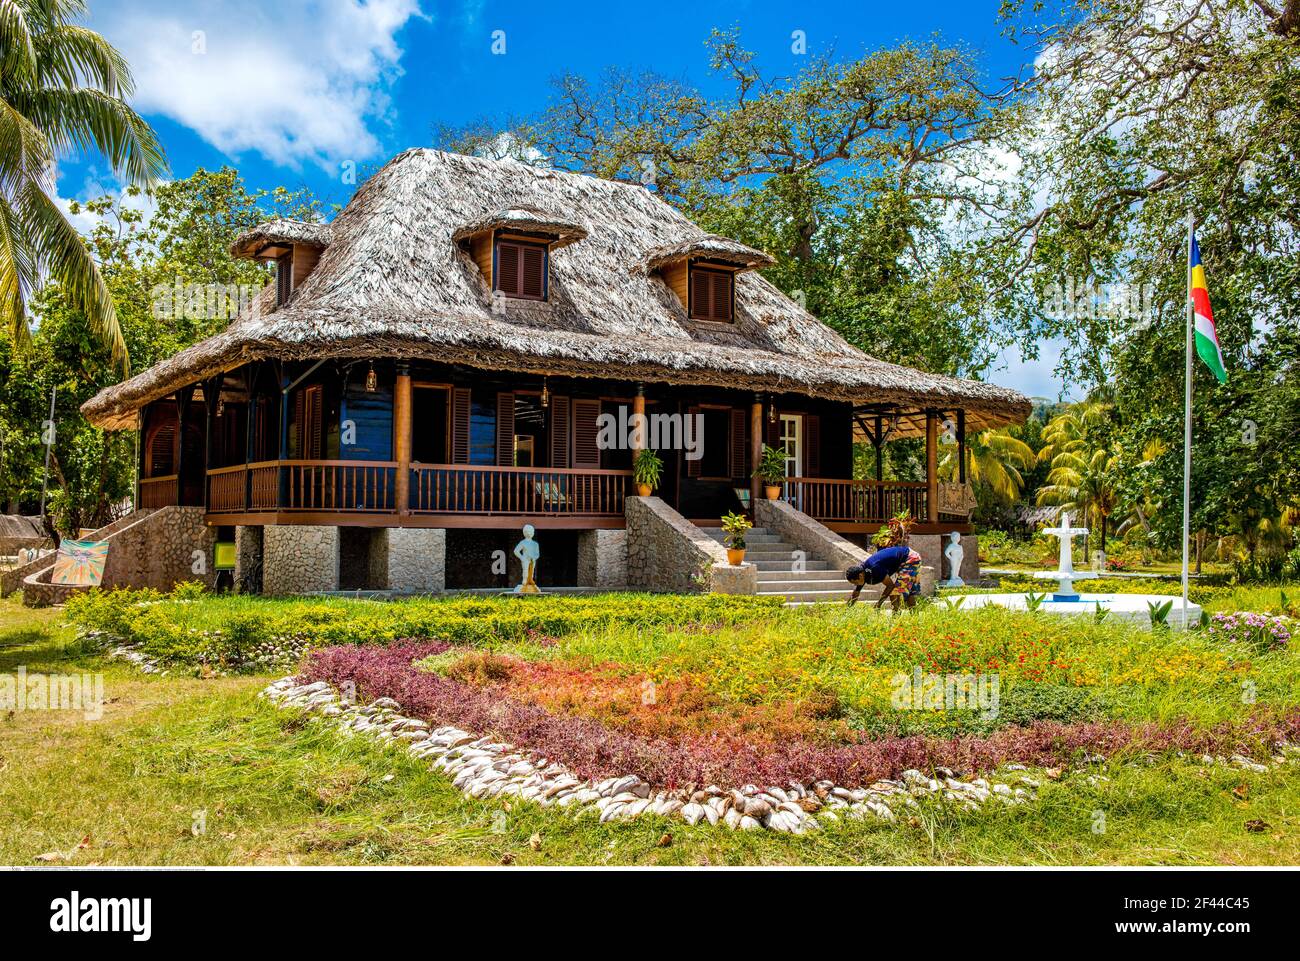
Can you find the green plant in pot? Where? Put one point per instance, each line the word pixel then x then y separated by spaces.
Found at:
pixel 646 471
pixel 771 471
pixel 734 529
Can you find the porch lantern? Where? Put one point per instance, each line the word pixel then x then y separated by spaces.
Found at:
pixel 372 382
pixel 546 395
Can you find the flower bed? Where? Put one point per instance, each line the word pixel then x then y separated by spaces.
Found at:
pixel 597 751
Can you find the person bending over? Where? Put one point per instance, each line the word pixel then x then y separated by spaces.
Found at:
pixel 897 569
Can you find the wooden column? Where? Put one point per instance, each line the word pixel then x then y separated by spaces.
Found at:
pixel 402 438
pixel 932 467
pixel 755 449
pixel 183 397
pixel 878 442
pixel 638 421
pixel 961 446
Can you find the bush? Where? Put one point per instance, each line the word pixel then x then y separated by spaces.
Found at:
pixel 242 633
pixel 1260 631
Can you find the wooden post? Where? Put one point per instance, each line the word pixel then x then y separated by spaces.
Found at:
pixel 402 438
pixel 283 498
pixel 182 417
pixel 961 446
pixel 755 449
pixel 638 421
pixel 878 442
pixel 932 467
pixel 211 397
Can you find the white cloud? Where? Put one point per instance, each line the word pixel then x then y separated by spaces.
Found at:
pixel 92 188
pixel 294 80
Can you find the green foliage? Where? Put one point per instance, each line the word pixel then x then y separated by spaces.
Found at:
pixel 771 465
pixel 234 632
pixel 734 528
pixel 647 467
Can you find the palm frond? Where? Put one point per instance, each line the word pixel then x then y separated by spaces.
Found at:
pixel 87 119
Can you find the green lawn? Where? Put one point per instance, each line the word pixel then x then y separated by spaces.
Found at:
pixel 128 789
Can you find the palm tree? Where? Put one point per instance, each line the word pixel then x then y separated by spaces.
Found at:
pixel 62 88
pixel 1085 469
pixel 995 458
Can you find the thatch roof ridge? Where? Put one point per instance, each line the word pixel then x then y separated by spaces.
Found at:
pixel 708 245
pixel 392 282
pixel 281 230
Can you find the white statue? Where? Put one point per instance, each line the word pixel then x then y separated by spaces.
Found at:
pixel 955 553
pixel 528 552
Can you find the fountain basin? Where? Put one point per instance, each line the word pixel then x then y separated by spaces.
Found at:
pixel 1123 607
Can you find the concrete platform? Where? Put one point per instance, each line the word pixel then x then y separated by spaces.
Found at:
pixel 1125 607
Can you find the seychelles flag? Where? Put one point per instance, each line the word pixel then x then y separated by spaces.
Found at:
pixel 1207 341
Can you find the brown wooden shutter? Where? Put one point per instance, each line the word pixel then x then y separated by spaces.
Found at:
pixel 693 466
pixel 505 429
pixel 283 278
pixel 586 431
pixel 812 441
pixel 532 281
pixel 162 451
pixel 560 431
pixel 460 410
pixel 699 293
pixel 739 421
pixel 772 430
pixel 308 415
pixel 506 273
pixel 720 304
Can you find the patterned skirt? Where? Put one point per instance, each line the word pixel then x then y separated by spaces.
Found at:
pixel 908 578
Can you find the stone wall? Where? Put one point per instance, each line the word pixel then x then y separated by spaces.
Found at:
pixel 299 559
pixel 810 536
pixel 930 547
pixel 12 580
pixel 602 559
pixel 666 552
pixel 416 559
pixel 248 560
pixel 158 549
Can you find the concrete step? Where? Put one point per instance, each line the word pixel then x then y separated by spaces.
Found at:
pixel 783 553
pixel 820 574
pixel 803 586
pixel 785 564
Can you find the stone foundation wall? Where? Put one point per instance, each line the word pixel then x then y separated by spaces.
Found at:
pixel 602 559
pixel 930 547
pixel 159 549
pixel 248 560
pixel 299 560
pixel 666 552
pixel 416 559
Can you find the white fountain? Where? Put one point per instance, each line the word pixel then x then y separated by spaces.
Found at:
pixel 1065 575
pixel 1066 600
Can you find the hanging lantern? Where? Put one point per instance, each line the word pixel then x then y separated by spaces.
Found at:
pixel 771 411
pixel 221 406
pixel 372 382
pixel 546 394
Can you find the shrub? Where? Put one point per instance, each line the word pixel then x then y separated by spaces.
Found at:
pixel 1260 631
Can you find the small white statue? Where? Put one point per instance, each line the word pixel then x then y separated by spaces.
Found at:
pixel 528 552
pixel 955 553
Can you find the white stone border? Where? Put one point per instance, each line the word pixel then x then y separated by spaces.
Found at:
pixel 482 768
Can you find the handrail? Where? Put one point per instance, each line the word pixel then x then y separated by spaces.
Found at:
pixel 856 501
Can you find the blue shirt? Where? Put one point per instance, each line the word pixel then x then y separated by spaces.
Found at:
pixel 884 563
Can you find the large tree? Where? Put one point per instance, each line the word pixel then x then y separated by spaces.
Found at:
pixel 63 88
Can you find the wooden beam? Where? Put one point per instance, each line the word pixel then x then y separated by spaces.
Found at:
pixel 638 421
pixel 402 438
pixel 879 443
pixel 755 449
pixel 931 467
pixel 961 446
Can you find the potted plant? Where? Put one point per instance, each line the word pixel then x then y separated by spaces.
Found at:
pixel 734 528
pixel 646 469
pixel 897 531
pixel 771 471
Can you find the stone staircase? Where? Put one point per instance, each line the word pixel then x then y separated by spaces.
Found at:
pixel 775 558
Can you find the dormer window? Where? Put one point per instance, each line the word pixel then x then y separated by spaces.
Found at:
pixel 519 269
pixel 712 293
pixel 283 279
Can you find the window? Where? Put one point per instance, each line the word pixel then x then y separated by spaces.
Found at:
pixel 711 293
pixel 283 279
pixel 520 270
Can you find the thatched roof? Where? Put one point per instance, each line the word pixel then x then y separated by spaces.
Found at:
pixel 710 246
pixel 280 231
pixel 531 220
pixel 392 283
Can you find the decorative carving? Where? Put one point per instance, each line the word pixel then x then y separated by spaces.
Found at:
pixel 956 498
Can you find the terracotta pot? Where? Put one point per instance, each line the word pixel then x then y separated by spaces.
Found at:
pixel 643 490
pixel 773 491
pixel 735 557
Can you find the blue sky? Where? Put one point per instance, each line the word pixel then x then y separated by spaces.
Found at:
pixel 298 92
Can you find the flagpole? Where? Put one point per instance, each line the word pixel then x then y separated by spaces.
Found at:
pixel 1187 413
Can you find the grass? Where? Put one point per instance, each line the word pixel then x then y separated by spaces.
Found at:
pixel 125 790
